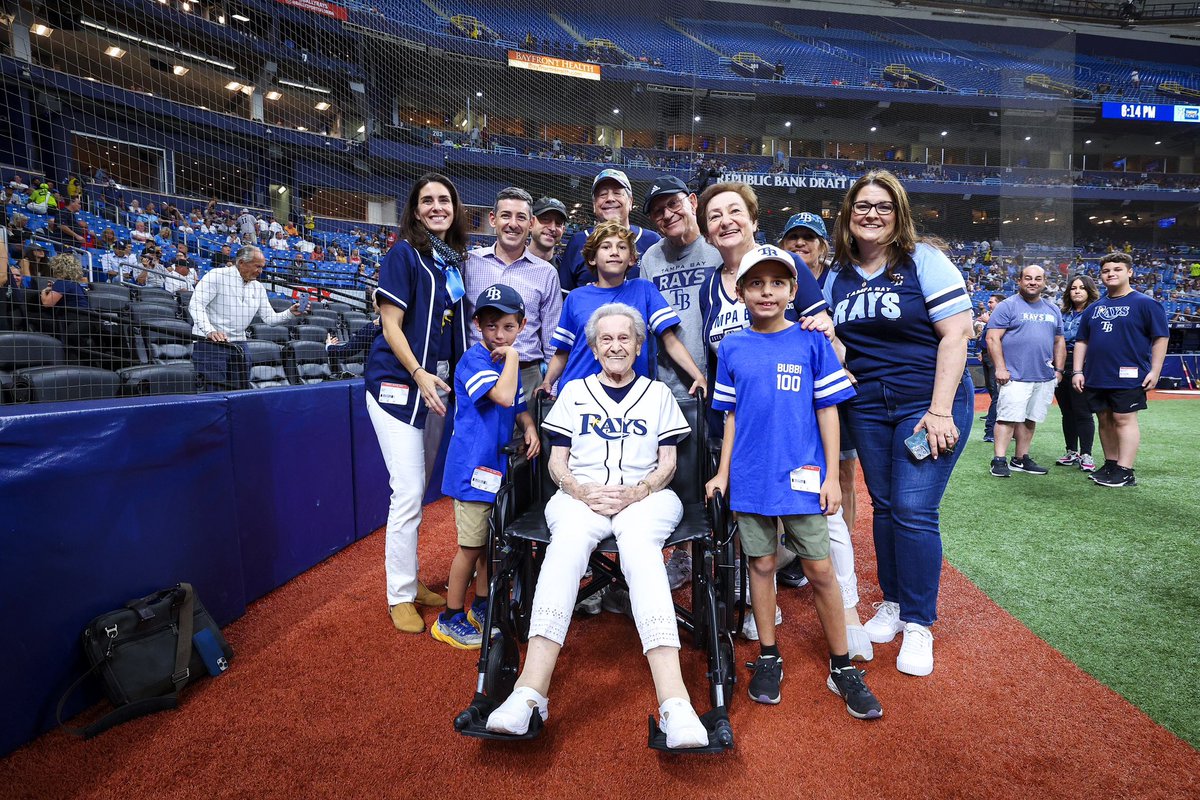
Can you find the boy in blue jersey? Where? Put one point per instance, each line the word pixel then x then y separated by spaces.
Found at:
pixel 1119 354
pixel 488 402
pixel 780 386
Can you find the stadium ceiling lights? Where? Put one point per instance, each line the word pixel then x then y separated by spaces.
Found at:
pixel 96 26
pixel 42 30
pixel 180 70
pixel 241 17
pixel 322 106
pixel 789 124
pixel 273 95
pixel 306 87
pixel 115 52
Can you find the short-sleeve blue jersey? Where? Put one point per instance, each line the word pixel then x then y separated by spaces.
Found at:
pixel 1030 330
pixel 481 426
pixel 581 304
pixel 887 325
pixel 573 273
pixel 416 284
pixel 775 382
pixel 1119 333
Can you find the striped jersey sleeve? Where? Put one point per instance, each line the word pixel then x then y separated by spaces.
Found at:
pixel 660 315
pixel 724 395
pixel 831 384
pixel 942 284
pixel 564 333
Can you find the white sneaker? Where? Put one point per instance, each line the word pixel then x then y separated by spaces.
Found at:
pixel 860 643
pixel 679 569
pixel 591 606
pixel 750 627
pixel 916 654
pixel 513 715
pixel 886 623
pixel 678 720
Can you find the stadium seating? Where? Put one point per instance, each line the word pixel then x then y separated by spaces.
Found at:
pixel 20 350
pixel 311 333
pixel 168 340
pixel 306 362
pixel 265 361
pixel 156 379
pixel 53 384
pixel 269 333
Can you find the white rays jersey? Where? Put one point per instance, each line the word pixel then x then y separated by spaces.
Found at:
pixel 615 443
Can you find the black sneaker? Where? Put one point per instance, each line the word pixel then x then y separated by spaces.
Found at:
pixel 1103 472
pixel 768 673
pixel 1118 478
pixel 793 574
pixel 1027 464
pixel 1000 468
pixel 848 684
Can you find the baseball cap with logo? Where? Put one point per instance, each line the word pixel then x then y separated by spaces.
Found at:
pixel 612 175
pixel 504 299
pixel 805 220
pixel 662 186
pixel 764 253
pixel 544 204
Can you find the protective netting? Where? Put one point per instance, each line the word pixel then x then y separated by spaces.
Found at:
pixel 144 143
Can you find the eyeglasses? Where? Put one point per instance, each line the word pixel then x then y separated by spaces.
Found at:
pixel 862 207
pixel 673 205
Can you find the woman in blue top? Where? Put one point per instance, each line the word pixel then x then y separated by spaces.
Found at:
pixel 67 290
pixel 1079 428
pixel 420 306
pixel 902 312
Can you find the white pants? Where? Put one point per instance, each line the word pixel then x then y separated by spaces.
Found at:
pixel 403 449
pixel 841 551
pixel 640 529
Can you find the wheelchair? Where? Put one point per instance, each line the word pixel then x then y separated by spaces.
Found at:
pixel 518 536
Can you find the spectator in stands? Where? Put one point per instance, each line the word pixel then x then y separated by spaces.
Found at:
pixel 1119 354
pixel 149 271
pixel 13 198
pixel 279 242
pixel 70 230
pixel 119 263
pixel 182 257
pixel 164 237
pixel 108 239
pixel 67 288
pixel 18 183
pixel 424 333
pixel 247 226
pixel 19 235
pixel 612 200
pixel 35 263
pixel 139 232
pixel 989 368
pixel 180 277
pixel 1025 341
pixel 511 263
pixel 546 228
pixel 226 299
pixel 1078 427
pixel 306 245
pixel 903 314
pixel 290 229
pixel 41 201
pixel 273 227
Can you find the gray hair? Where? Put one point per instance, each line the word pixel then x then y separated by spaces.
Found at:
pixel 19 219
pixel 615 310
pixel 513 193
pixel 247 254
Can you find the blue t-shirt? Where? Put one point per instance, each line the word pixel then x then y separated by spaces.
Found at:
pixel 573 273
pixel 776 382
pixel 1029 333
pixel 481 428
pixel 1071 320
pixel 73 294
pixel 1119 333
pixel 582 303
pixel 887 326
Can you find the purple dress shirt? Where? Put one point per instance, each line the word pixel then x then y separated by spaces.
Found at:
pixel 537 283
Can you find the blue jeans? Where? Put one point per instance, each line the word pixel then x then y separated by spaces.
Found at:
pixel 906 493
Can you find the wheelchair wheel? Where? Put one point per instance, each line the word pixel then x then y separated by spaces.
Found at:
pixel 503 664
pixel 729 670
pixel 523 583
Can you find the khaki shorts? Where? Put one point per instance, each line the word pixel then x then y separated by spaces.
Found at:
pixel 806 535
pixel 471 519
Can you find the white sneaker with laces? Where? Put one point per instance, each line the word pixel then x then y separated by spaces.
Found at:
pixel 884 626
pixel 513 715
pixel 916 653
pixel 860 643
pixel 750 627
pixel 678 720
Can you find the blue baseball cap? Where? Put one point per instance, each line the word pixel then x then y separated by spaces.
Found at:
pixel 504 299
pixel 613 175
pixel 805 220
pixel 664 185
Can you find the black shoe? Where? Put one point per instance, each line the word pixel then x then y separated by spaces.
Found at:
pixel 1104 471
pixel 768 673
pixel 793 574
pixel 1118 478
pixel 848 684
pixel 1026 464
pixel 1000 468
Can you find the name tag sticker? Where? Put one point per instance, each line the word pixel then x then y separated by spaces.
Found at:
pixel 486 479
pixel 806 479
pixel 1128 372
pixel 393 393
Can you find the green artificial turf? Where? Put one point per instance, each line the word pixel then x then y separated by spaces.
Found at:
pixel 1109 577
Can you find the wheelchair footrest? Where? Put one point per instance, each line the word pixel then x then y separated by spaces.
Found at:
pixel 473 722
pixel 720 735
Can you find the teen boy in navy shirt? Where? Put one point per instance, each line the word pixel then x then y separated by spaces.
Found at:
pixel 487 388
pixel 780 386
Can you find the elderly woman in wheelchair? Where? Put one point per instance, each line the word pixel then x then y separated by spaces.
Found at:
pixel 613 438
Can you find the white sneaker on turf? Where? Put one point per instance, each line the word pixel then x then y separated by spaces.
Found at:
pixel 859 643
pixel 678 720
pixel 513 715
pixel 916 653
pixel 679 569
pixel 750 627
pixel 886 623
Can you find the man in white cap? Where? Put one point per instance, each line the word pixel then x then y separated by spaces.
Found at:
pixel 612 199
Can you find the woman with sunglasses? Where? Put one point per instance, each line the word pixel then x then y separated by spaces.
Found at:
pixel 420 307
pixel 902 311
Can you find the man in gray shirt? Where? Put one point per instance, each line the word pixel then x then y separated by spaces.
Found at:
pixel 1026 344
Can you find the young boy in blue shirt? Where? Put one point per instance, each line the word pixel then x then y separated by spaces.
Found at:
pixel 488 400
pixel 780 386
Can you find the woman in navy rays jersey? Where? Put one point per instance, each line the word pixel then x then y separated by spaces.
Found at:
pixel 424 332
pixel 902 311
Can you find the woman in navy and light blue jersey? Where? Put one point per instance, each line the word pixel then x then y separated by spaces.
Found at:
pixel 902 312
pixel 424 332
pixel 1079 429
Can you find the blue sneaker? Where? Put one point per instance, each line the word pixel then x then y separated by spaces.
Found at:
pixel 456 632
pixel 476 616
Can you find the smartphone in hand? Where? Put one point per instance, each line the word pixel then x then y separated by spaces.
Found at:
pixel 918 445
pixel 305 301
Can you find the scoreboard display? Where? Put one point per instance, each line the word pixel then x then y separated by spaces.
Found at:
pixel 1151 112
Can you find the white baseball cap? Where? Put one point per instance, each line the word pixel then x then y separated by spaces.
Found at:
pixel 766 252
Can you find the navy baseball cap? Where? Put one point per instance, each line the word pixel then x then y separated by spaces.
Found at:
pixel 805 220
pixel 544 204
pixel 664 185
pixel 612 175
pixel 504 299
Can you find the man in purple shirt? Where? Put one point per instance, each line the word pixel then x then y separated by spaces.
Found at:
pixel 508 261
